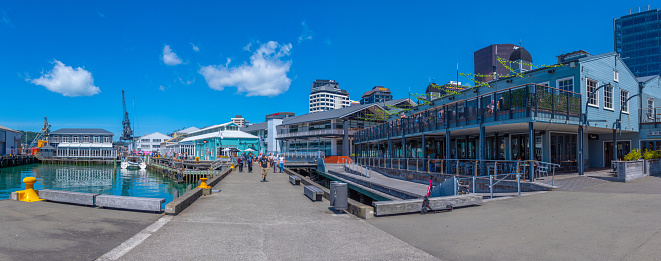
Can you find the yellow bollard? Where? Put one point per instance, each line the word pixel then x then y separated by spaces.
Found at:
pixel 28 195
pixel 203 183
pixel 232 166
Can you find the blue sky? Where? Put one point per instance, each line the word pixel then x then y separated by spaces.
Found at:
pixel 201 63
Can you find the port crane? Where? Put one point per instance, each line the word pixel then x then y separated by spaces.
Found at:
pixel 127 132
pixel 42 137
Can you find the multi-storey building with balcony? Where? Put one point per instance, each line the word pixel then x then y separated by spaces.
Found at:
pixel 266 131
pixel 331 132
pixel 326 95
pixel 151 142
pixel 569 114
pixel 376 95
pixel 82 143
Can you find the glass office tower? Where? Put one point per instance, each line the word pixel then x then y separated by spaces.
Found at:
pixel 637 41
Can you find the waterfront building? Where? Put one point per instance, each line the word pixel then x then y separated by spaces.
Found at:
pixel 331 132
pixel 223 140
pixel 569 114
pixel 82 143
pixel 377 94
pixel 10 141
pixel 239 121
pixel 485 60
pixel 326 95
pixel 636 39
pixel 266 131
pixel 151 142
pixel 174 146
pixel 182 132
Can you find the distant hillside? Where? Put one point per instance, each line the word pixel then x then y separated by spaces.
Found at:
pixel 28 136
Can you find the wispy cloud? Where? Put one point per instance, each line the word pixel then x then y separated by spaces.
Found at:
pixel 195 48
pixel 247 47
pixel 99 14
pixel 5 19
pixel 161 88
pixel 169 57
pixel 68 81
pixel 265 75
pixel 307 33
pixel 186 82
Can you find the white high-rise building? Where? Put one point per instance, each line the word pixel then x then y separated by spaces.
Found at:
pixel 326 95
pixel 151 142
pixel 240 121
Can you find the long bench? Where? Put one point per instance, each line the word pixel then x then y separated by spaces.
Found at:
pixel 68 196
pixel 314 193
pixel 415 205
pixel 294 180
pixel 133 203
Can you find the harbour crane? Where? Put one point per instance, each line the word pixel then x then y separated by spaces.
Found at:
pixel 127 132
pixel 42 136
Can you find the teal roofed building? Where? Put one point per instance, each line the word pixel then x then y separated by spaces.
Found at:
pixel 221 140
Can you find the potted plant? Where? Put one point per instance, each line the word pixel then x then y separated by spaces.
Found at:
pixel 652 163
pixel 632 167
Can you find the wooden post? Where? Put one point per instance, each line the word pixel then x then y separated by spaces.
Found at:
pixel 457 171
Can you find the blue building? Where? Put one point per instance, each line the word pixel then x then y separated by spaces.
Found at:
pixel 567 114
pixel 637 40
pixel 217 141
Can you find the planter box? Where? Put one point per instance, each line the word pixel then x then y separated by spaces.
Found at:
pixel 631 170
pixel 654 167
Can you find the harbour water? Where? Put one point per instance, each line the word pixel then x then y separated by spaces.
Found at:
pixel 100 179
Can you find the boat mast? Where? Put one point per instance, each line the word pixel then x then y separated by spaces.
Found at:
pixel 133 142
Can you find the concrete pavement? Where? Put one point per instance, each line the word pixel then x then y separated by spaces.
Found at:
pixel 609 221
pixel 52 231
pixel 253 220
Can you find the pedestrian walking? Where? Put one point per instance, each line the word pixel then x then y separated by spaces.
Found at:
pixel 274 162
pixel 239 161
pixel 264 163
pixel 249 162
pixel 281 162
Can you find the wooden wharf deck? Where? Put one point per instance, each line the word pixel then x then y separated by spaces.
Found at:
pixel 16 160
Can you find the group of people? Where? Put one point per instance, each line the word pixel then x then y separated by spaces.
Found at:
pixel 264 161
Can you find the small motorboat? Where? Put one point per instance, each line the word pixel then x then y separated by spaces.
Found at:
pixel 133 162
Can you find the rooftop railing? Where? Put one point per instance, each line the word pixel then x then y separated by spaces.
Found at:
pixel 313 133
pixel 650 116
pixel 530 100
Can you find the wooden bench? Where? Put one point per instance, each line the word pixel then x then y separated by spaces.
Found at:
pixel 67 197
pixel 133 203
pixel 314 193
pixel 294 180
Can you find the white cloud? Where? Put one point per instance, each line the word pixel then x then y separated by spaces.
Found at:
pixel 186 82
pixel 195 48
pixel 68 81
pixel 265 75
pixel 161 88
pixel 307 33
pixel 247 47
pixel 169 57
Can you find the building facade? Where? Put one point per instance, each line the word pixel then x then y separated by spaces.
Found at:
pixel 376 95
pixel 568 114
pixel 10 141
pixel 151 142
pixel 485 60
pixel 239 121
pixel 331 132
pixel 326 95
pixel 223 140
pixel 636 39
pixel 82 143
pixel 266 131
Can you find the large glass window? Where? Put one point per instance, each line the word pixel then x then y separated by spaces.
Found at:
pixel 624 104
pixel 608 97
pixel 591 87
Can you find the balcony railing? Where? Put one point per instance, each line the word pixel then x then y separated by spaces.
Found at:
pixel 530 100
pixel 313 133
pixel 650 115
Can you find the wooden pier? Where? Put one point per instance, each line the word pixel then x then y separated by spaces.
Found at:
pixel 17 160
pixel 81 161
pixel 181 175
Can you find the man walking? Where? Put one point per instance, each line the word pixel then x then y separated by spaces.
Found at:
pixel 239 161
pixel 249 162
pixel 264 163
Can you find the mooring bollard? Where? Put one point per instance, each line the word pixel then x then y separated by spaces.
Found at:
pixel 491 185
pixel 29 194
pixel 518 184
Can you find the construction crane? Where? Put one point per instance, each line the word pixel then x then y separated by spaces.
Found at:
pixel 127 132
pixel 42 137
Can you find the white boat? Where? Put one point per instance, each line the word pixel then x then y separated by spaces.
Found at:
pixel 133 162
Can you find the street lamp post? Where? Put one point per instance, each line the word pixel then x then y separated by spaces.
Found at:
pixel 584 122
pixel 618 125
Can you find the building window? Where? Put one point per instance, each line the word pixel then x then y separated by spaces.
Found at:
pixel 144 140
pixel 65 138
pixel 96 139
pixel 624 104
pixel 106 139
pixel 650 103
pixel 86 138
pixel 54 139
pixel 616 76
pixel 75 138
pixel 566 84
pixel 608 97
pixel 592 86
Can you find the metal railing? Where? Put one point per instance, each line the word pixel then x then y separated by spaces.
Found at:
pixel 650 115
pixel 464 167
pixel 313 133
pixel 354 168
pixel 530 100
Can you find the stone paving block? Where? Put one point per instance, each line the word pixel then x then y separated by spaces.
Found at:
pixel 67 196
pixel 133 203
